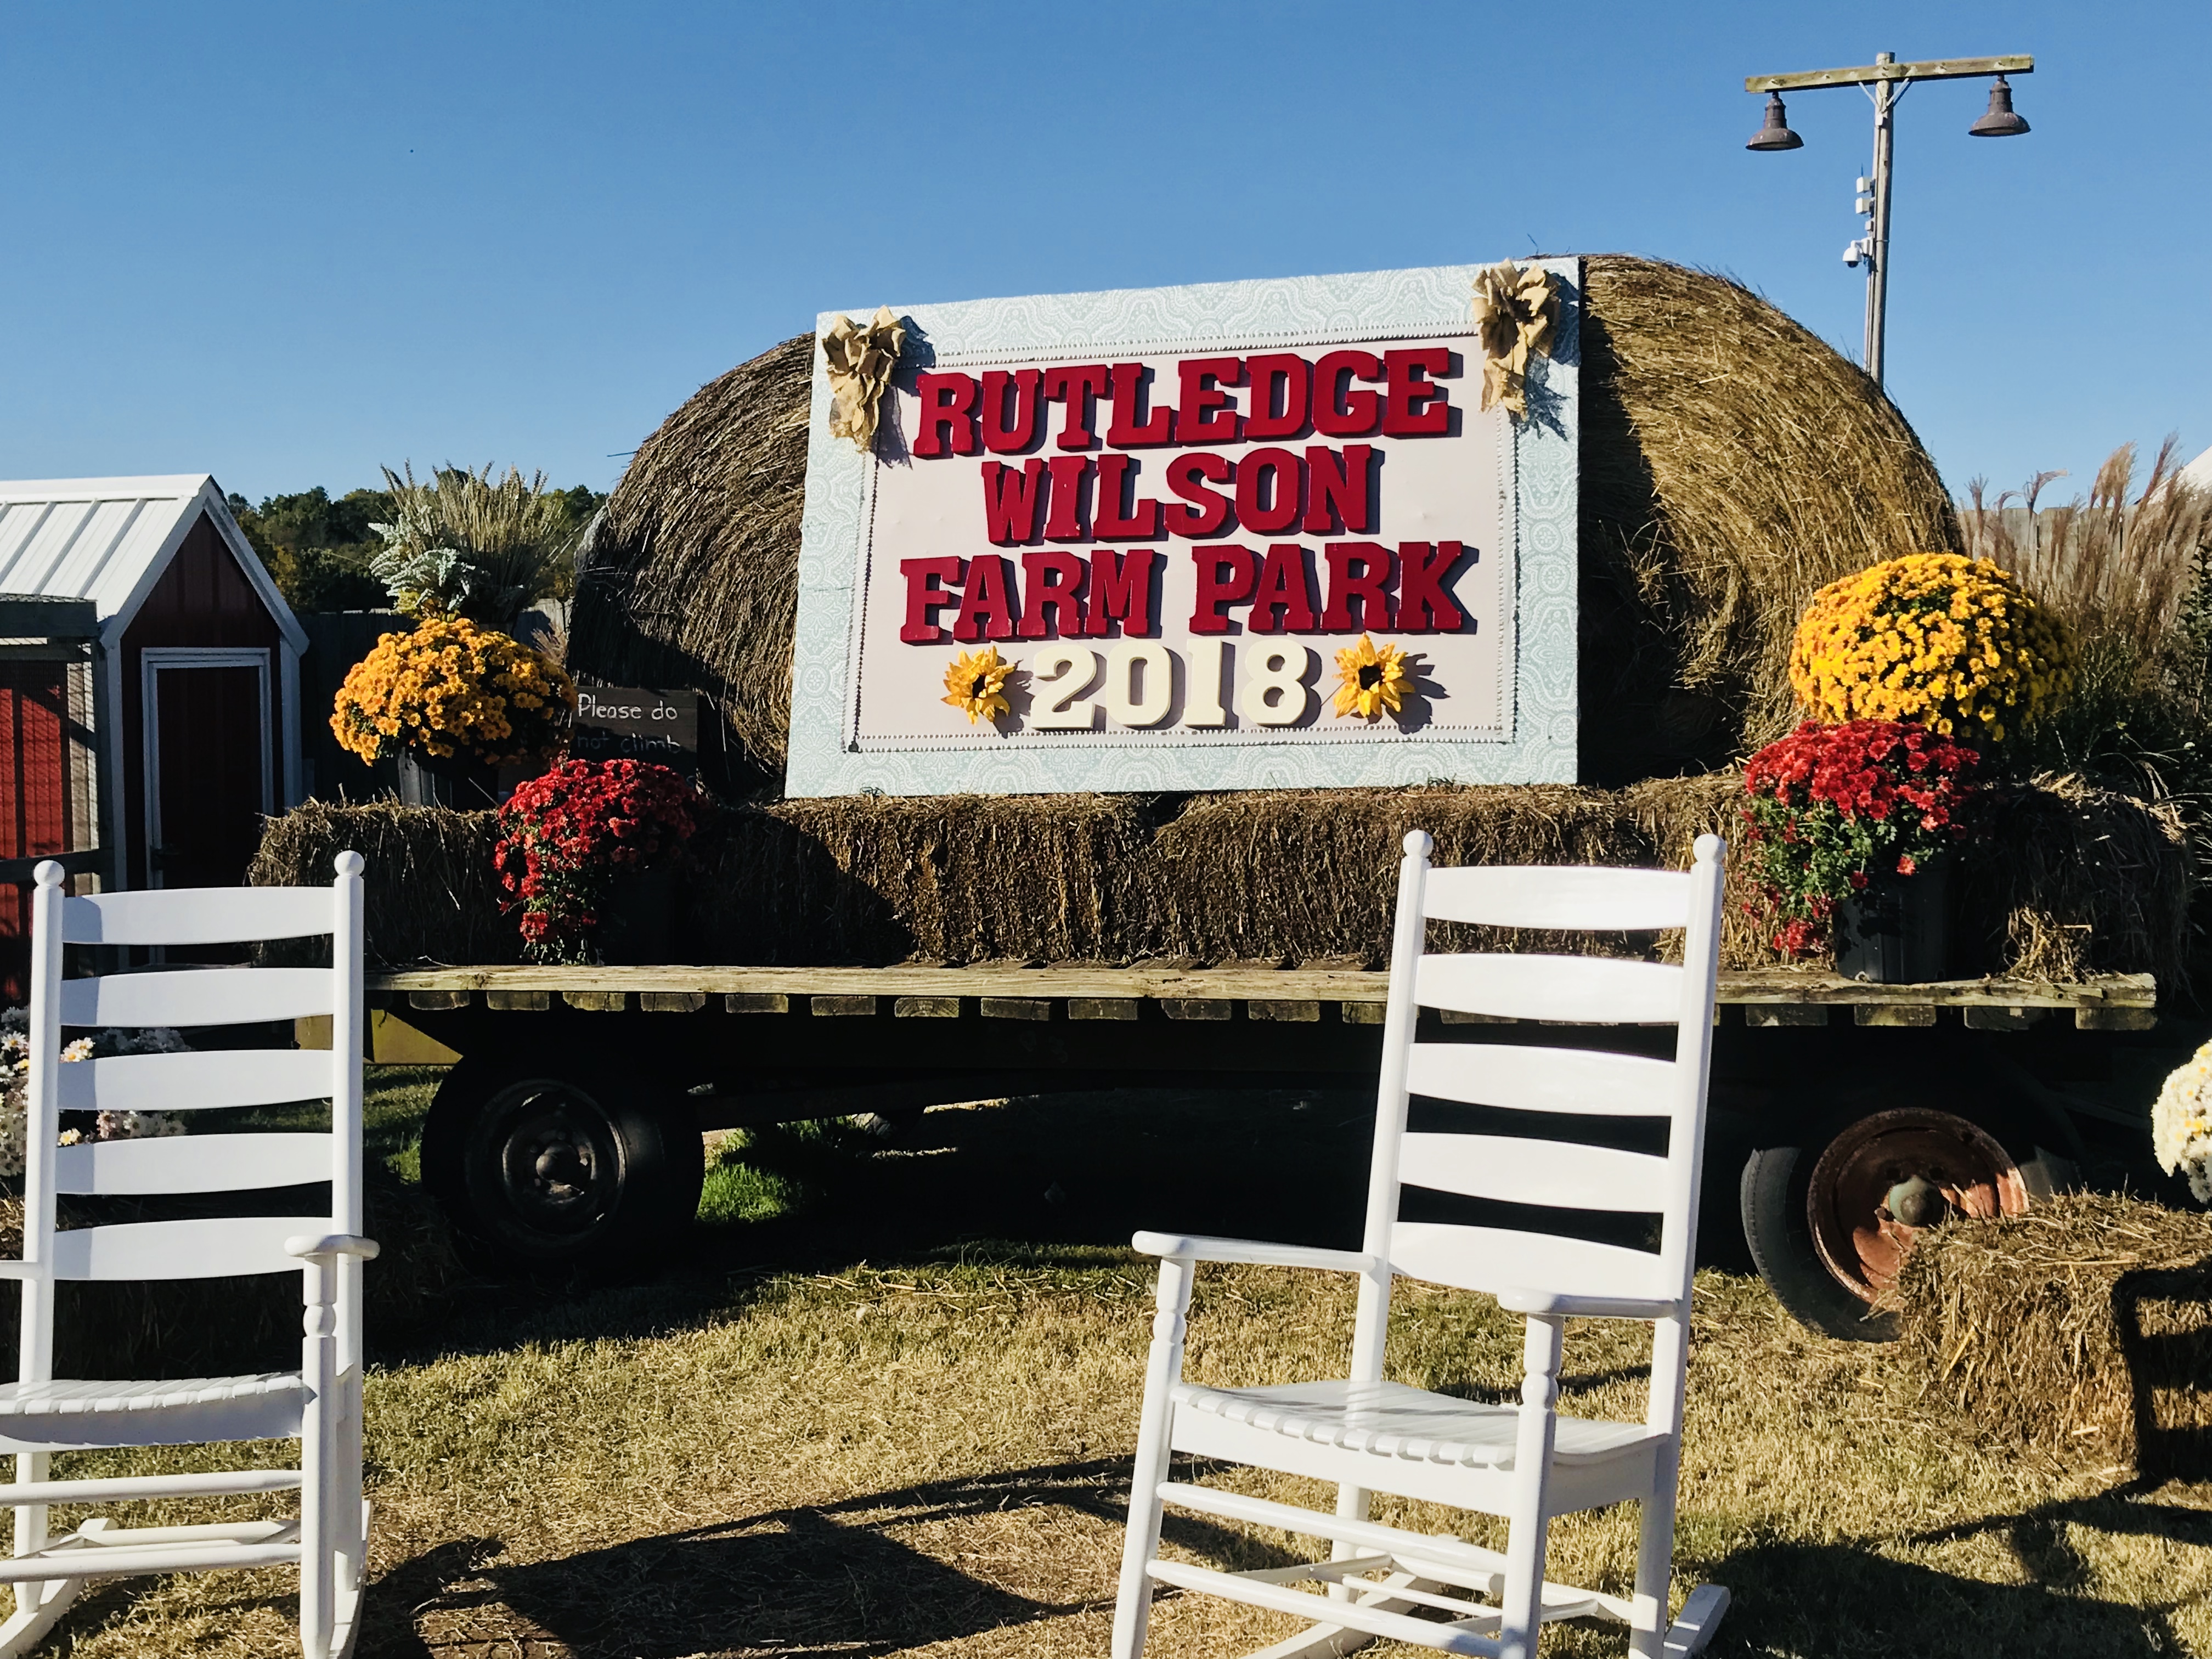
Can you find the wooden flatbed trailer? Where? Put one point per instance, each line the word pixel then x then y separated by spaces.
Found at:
pixel 1846 1114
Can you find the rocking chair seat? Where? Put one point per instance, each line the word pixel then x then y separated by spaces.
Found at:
pixel 180 1411
pixel 1392 1419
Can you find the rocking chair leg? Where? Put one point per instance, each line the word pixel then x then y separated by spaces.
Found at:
pixel 318 1563
pixel 1133 1608
pixel 1655 1557
pixel 1523 1600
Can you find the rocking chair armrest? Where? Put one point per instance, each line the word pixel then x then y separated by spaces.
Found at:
pixel 1190 1247
pixel 309 1246
pixel 1553 1304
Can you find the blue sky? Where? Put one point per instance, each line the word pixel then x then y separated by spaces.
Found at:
pixel 286 243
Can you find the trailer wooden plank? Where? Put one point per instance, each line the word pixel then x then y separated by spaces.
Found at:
pixel 2115 1001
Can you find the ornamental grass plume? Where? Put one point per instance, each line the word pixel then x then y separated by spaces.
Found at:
pixel 2125 570
pixel 1952 643
pixel 1833 808
pixel 565 836
pixel 452 690
pixel 463 544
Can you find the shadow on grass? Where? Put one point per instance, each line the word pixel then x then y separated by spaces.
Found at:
pixel 816 1578
pixel 1806 1598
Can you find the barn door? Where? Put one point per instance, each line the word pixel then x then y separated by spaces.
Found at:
pixel 211 763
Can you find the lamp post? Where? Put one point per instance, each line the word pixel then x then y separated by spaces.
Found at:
pixel 1886 81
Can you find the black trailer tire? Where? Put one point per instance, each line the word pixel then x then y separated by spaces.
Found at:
pixel 1772 1197
pixel 545 1170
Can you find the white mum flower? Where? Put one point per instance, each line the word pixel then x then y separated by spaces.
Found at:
pixel 2181 1123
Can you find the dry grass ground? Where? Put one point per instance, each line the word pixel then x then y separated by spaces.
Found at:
pixel 847 1427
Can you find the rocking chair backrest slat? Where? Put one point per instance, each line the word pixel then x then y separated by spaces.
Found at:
pixel 1595 989
pixel 205 996
pixel 204 1078
pixel 1575 1080
pixel 196 915
pixel 196 1081
pixel 1497 1165
pixel 222 1246
pixel 1494 1259
pixel 193 1164
pixel 1534 1172
pixel 1574 896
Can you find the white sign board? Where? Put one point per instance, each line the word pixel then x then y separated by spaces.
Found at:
pixel 1119 541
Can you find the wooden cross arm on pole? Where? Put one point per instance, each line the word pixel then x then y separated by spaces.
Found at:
pixel 1939 69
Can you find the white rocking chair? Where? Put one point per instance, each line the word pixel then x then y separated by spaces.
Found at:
pixel 320 1403
pixel 1525 1463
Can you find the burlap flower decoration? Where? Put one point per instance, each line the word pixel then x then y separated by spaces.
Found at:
pixel 1514 311
pixel 861 361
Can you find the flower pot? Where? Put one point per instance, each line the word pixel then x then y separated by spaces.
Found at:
pixel 637 923
pixel 466 785
pixel 1898 930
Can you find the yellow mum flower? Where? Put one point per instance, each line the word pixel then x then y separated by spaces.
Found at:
pixel 1933 637
pixel 1374 679
pixel 975 684
pixel 432 689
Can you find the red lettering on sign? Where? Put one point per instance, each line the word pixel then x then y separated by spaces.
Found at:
pixel 948 404
pixel 924 593
pixel 1424 604
pixel 1356 570
pixel 1107 522
pixel 1052 607
pixel 1211 512
pixel 988 602
pixel 1010 500
pixel 1412 406
pixel 1338 411
pixel 1065 497
pixel 1125 430
pixel 1286 476
pixel 1197 421
pixel 1225 573
pixel 1294 375
pixel 1120 589
pixel 1336 491
pixel 1076 387
pixel 999 437
pixel 1285 586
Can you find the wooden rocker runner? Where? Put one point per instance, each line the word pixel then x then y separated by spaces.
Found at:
pixel 319 1405
pixel 1365 1434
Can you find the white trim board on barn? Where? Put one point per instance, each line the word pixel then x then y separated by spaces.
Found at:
pixel 152 660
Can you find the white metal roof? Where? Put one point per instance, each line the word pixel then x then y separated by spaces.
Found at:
pixel 109 540
pixel 2199 471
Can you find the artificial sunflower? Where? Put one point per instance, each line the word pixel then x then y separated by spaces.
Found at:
pixel 976 684
pixel 1374 679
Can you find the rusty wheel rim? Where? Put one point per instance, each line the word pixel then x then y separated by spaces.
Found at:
pixel 1888 1177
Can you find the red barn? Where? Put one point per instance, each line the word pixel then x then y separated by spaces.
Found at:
pixel 164 738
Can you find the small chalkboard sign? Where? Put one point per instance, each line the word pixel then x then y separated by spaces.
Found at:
pixel 634 722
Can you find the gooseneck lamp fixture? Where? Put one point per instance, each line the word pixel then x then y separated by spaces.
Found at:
pixel 1886 81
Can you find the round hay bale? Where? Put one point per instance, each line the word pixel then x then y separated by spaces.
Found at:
pixel 1732 462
